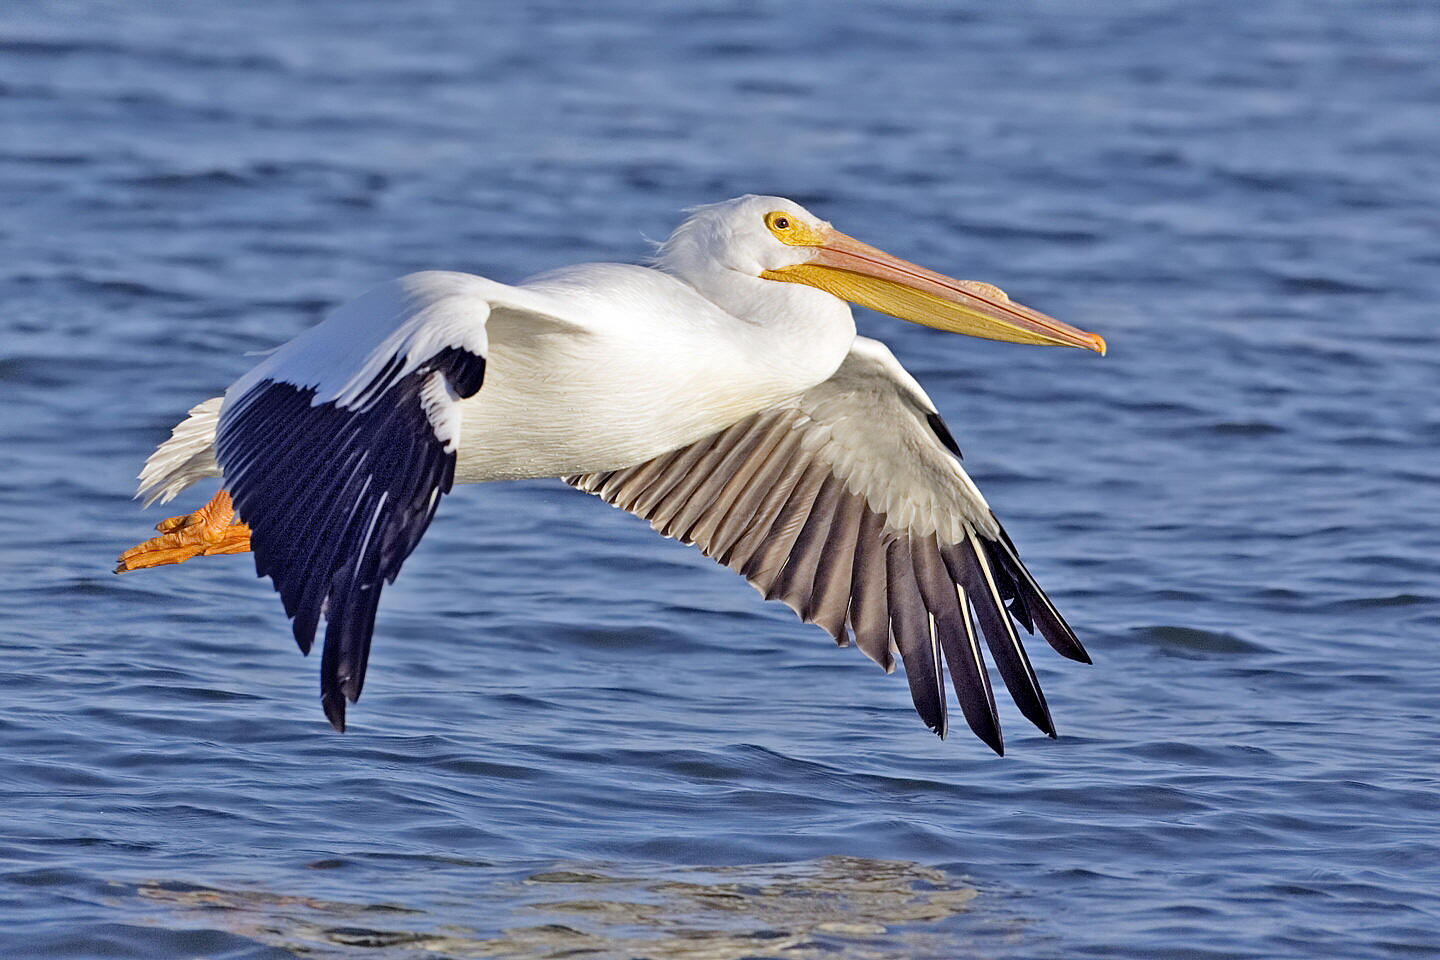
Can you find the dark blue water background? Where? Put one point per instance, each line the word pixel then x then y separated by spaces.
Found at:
pixel 578 737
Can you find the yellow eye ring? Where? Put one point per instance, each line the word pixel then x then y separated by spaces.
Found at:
pixel 791 230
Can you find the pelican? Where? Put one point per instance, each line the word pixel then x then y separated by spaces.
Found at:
pixel 721 393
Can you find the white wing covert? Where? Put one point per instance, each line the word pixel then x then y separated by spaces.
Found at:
pixel 849 504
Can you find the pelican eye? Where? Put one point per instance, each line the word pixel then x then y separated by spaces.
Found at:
pixel 789 230
pixel 779 223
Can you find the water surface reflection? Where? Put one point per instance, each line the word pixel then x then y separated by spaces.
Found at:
pixel 834 907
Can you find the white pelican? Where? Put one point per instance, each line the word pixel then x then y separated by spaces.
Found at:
pixel 721 393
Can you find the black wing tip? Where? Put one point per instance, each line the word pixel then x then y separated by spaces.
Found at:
pixel 334 706
pixel 1053 627
pixel 992 738
pixel 1061 637
pixel 303 626
pixel 987 731
pixel 1036 710
pixel 1063 641
pixel 994 741
pixel 931 711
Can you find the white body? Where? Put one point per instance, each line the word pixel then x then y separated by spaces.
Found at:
pixel 623 384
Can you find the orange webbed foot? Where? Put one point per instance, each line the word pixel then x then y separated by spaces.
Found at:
pixel 213 529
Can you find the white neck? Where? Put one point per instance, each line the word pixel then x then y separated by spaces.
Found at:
pixel 799 334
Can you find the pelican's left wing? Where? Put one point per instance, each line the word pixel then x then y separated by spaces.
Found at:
pixel 338 446
pixel 849 504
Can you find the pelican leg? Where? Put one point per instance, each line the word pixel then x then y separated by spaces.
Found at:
pixel 212 529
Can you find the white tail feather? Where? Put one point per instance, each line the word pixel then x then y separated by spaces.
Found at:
pixel 188 456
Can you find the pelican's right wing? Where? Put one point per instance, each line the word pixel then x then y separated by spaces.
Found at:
pixel 849 504
pixel 338 446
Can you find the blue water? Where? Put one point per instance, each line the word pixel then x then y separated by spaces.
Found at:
pixel 578 739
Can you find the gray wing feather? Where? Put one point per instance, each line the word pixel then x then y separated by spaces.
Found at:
pixel 810 503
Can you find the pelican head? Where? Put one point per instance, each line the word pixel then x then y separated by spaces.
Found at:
pixel 778 240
